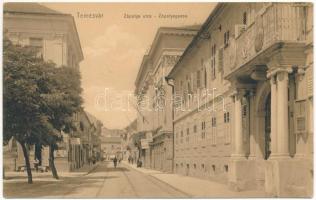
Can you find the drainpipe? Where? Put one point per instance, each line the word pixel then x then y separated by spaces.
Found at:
pixel 170 82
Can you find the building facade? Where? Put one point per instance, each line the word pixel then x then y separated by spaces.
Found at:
pixel 154 96
pixel 83 146
pixel 129 150
pixel 243 99
pixel 111 143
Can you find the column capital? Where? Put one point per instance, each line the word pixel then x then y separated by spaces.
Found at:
pixel 274 71
pixel 238 93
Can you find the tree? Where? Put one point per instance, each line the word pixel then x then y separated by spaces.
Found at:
pixel 61 94
pixel 23 118
pixel 40 100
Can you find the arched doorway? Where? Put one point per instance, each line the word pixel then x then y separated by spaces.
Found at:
pixel 262 121
pixel 267 131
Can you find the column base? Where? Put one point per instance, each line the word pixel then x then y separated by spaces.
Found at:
pixel 241 173
pixel 288 177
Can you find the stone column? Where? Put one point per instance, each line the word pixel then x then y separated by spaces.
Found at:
pixel 239 150
pixel 282 114
pixel 274 116
pixel 252 122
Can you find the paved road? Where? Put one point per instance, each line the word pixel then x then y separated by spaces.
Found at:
pixel 122 181
pixel 105 181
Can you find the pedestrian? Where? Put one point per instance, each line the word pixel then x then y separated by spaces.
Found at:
pixel 115 161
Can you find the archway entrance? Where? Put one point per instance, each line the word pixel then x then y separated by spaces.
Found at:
pixel 267 135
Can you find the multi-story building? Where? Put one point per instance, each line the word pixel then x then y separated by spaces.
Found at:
pixel 243 99
pixel 83 146
pixel 96 129
pixel 111 143
pixel 52 33
pixel 128 146
pixel 154 95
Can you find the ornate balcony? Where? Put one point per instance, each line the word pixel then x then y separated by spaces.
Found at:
pixel 276 25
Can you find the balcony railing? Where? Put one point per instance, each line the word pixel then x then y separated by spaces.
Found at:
pixel 276 22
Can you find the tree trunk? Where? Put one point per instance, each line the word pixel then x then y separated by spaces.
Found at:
pixel 51 162
pixel 27 163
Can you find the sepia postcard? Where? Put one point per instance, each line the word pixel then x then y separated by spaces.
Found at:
pixel 157 100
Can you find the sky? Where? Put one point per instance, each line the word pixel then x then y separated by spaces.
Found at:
pixel 113 48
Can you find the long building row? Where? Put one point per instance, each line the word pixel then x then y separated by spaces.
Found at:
pixel 231 100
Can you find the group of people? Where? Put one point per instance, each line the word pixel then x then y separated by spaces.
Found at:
pixel 130 160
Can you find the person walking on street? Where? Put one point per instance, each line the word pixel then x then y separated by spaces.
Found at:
pixel 115 161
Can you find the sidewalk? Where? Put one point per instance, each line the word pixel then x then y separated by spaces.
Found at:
pixel 13 176
pixel 87 168
pixel 195 187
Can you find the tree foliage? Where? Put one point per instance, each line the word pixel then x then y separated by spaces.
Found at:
pixel 39 99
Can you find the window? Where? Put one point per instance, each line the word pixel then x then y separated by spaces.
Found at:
pixel 181 139
pixel 226 39
pixel 194 128
pixel 203 130
pixel 226 117
pixel 226 168
pixel 198 79
pixel 227 127
pixel 244 18
pixel 176 137
pixel 38 44
pixel 188 134
pixel 213 121
pixel 205 78
pixel 213 135
pixel 244 110
pixel 213 61
pixel 300 116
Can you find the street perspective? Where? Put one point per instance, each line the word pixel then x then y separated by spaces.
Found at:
pixel 157 100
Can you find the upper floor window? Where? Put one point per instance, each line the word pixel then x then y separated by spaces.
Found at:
pixel 244 18
pixel 194 129
pixel 188 133
pixel 226 38
pixel 38 44
pixel 226 117
pixel 181 135
pixel 198 79
pixel 213 121
pixel 205 78
pixel 214 133
pixel 244 110
pixel 213 61
pixel 203 134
